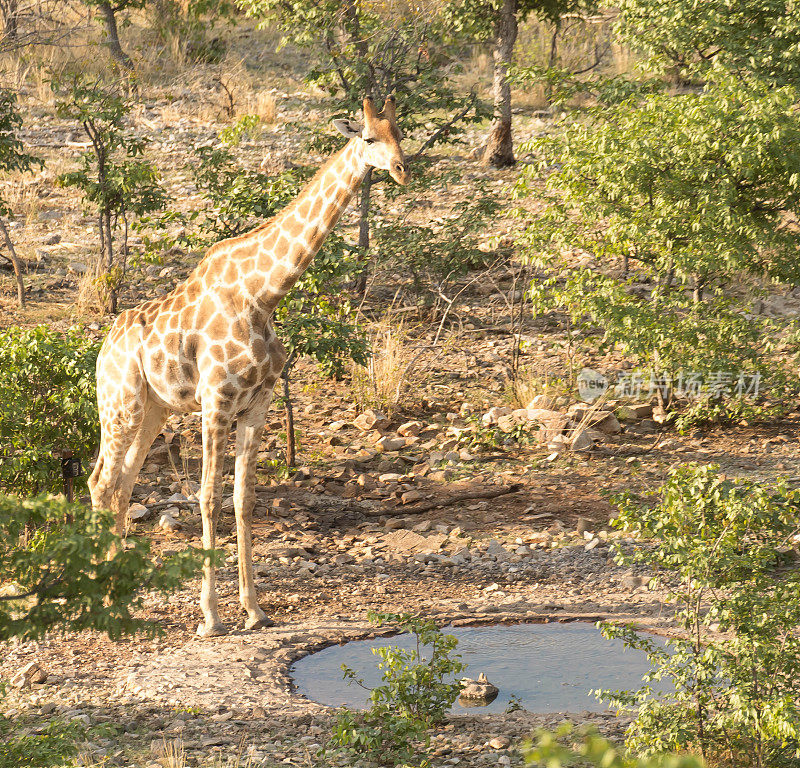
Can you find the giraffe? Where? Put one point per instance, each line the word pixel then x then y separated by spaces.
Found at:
pixel 209 346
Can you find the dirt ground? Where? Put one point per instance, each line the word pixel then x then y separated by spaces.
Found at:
pixel 498 531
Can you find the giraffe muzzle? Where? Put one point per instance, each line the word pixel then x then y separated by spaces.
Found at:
pixel 400 172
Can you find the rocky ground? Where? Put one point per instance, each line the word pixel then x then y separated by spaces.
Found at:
pixel 460 505
pixel 516 535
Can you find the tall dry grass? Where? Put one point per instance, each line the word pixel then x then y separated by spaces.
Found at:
pixel 396 368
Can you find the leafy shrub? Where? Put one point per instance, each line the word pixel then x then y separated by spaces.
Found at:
pixel 117 183
pixel 52 744
pixel 755 39
pixel 719 360
pixel 246 126
pixel 717 545
pixel 696 184
pixel 235 196
pixel 316 319
pixel 187 29
pixel 13 158
pixel 49 406
pixel 435 253
pixel 692 193
pixel 69 571
pixel 415 694
pixel 592 749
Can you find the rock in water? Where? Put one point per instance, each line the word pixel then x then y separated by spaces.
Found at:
pixel 478 692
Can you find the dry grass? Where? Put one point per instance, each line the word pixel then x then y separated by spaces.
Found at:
pixel 392 369
pixel 262 104
pixel 533 380
pixel 22 196
pixel 90 299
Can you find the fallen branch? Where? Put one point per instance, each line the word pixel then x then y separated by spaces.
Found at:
pixel 484 493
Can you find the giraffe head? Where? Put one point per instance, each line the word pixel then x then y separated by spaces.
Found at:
pixel 381 138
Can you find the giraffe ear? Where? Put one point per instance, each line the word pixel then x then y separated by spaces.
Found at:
pixel 349 128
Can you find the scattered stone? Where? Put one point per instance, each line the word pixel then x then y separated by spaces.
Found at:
pixel 497 550
pixel 493 414
pixel 391 443
pixel 408 541
pixel 581 441
pixel 369 419
pixel 634 412
pixel 30 674
pixel 583 525
pixel 552 423
pixel 137 512
pixel 410 429
pixel 609 425
pixel 409 497
pixel 499 742
pixel 168 522
pixel 542 402
pixel 511 421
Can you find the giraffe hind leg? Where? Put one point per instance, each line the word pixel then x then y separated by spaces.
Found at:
pixel 249 428
pixel 151 424
pixel 119 431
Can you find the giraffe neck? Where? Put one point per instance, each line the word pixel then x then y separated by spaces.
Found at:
pixel 291 240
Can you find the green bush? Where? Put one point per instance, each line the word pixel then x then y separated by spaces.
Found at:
pixel 316 318
pixel 718 545
pixel 756 39
pixel 436 253
pixel 44 746
pixel 696 185
pixel 685 196
pixel 49 406
pixel 117 182
pixel 712 357
pixel 236 196
pixel 415 695
pixel 63 568
pixel 560 749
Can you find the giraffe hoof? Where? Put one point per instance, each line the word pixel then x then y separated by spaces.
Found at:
pixel 215 630
pixel 259 623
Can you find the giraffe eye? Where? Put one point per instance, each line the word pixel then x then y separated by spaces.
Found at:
pixel 370 141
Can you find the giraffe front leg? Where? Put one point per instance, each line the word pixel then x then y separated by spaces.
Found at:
pixel 248 438
pixel 215 436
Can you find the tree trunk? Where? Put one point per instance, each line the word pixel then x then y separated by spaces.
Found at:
pixel 699 284
pixel 112 36
pixel 287 404
pixel 499 150
pixel 363 231
pixel 106 287
pixel 10 11
pixel 12 257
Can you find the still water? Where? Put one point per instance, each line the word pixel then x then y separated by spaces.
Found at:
pixel 547 667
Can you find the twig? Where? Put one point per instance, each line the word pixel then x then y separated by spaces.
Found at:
pixel 484 493
pixel 446 127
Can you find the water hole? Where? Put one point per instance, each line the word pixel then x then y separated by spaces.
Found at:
pixel 546 667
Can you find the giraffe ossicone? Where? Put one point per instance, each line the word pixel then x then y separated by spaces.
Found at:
pixel 209 346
